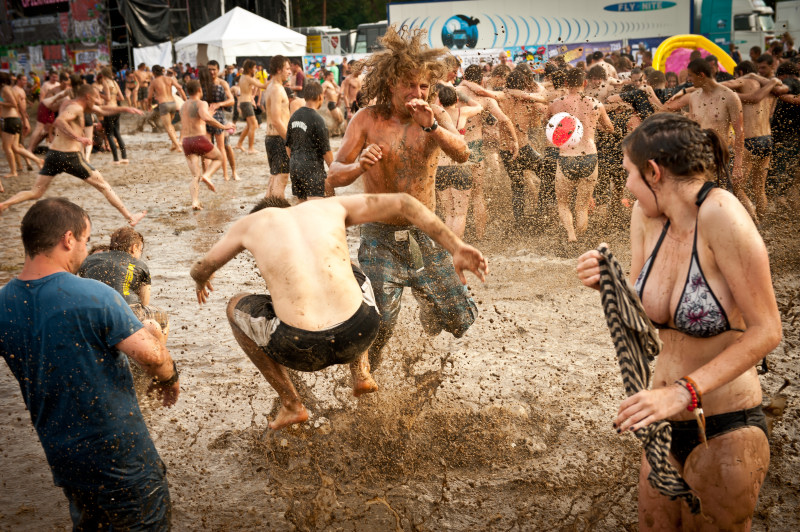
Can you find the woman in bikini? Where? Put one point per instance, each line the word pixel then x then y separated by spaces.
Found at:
pixel 702 272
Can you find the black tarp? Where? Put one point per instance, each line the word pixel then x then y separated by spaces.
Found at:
pixel 148 20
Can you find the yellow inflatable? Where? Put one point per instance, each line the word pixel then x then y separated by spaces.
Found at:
pixel 693 42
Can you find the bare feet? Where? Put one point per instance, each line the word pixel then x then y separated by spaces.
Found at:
pixel 197 207
pixel 175 147
pixel 225 177
pixel 124 161
pixel 208 183
pixel 251 152
pixel 289 415
pixel 10 175
pixel 239 148
pixel 137 218
pixel 236 176
pixel 362 380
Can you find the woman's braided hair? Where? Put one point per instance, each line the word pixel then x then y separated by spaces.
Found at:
pixel 679 145
pixel 404 56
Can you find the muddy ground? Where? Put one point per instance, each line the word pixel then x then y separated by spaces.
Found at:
pixel 507 428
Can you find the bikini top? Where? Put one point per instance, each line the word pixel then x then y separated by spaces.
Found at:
pixel 699 312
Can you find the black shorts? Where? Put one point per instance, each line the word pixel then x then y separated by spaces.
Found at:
pixel 685 436
pixel 246 109
pixel 453 176
pixel 142 94
pixel 331 106
pixel 308 178
pixel 276 154
pixel 578 167
pixel 303 350
pixel 760 147
pixel 70 162
pixel 12 125
pixel 526 159
pixel 167 107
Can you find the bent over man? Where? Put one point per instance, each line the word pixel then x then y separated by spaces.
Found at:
pixel 320 309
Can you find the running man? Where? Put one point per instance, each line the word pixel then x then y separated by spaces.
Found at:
pixel 395 144
pixel 277 105
pixel 321 308
pixel 577 166
pixel 331 94
pixel 161 90
pixel 248 85
pixel 196 146
pixel 143 79
pixel 66 152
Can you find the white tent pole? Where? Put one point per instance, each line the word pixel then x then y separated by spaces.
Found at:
pixel 221 7
pixel 288 4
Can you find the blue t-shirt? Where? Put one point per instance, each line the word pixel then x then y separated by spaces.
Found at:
pixel 57 335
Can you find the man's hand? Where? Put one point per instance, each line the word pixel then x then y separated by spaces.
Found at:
pixel 133 110
pixel 167 394
pixel 86 141
pixel 369 156
pixel 467 257
pixel 421 112
pixel 230 128
pixel 204 291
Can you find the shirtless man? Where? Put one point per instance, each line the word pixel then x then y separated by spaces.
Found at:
pixel 143 79
pixel 758 100
pixel 330 97
pixel 320 310
pixel 195 115
pixel 13 110
pixel 66 152
pixel 44 115
pixel 277 105
pixel 161 89
pixel 599 59
pixel 395 145
pixel 716 107
pixel 351 86
pixel 248 85
pixel 221 98
pixel 112 95
pixel 474 140
pixel 577 166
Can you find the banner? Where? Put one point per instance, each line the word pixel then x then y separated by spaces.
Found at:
pixel 312 64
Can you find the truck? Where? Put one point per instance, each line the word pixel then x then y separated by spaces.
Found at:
pixel 327 40
pixel 489 24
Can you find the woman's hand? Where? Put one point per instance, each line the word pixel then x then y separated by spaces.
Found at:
pixel 649 406
pixel 589 269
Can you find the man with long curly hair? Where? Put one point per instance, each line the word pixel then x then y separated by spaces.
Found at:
pixel 395 144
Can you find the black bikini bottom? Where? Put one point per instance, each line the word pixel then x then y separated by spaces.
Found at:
pixel 685 436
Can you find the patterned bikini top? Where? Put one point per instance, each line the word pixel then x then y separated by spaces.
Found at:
pixel 699 312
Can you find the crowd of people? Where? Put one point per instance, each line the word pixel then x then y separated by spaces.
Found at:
pixel 423 132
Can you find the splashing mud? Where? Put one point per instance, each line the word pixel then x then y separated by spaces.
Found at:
pixel 507 428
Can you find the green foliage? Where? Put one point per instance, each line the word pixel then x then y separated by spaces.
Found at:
pixel 343 14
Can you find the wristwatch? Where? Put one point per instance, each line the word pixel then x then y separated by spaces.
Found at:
pixel 432 127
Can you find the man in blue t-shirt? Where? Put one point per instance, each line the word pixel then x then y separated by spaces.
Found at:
pixel 61 336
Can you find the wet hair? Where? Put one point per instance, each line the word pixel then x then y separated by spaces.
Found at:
pixel 124 238
pixel 83 90
pixel 700 66
pixel 193 87
pixel 47 221
pixel 447 95
pixel 696 54
pixel 107 72
pixel 312 91
pixel 518 80
pixel 451 62
pixel 755 50
pixel 574 78
pixel 624 63
pixel 248 65
pixel 679 145
pixel 141 65
pixel 656 77
pixel 724 76
pixel 5 78
pixel 206 82
pixel 671 75
pixel 404 55
pixel 212 63
pixel 63 76
pixel 765 58
pixel 712 59
pixel 473 73
pixel 276 64
pixel 75 80
pixel 597 56
pixel 558 76
pixel 597 72
pixel 787 69
pixel 500 71
pixel 270 202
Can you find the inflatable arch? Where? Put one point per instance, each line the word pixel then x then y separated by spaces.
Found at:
pixel 693 42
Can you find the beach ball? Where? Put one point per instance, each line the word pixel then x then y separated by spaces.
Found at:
pixel 564 130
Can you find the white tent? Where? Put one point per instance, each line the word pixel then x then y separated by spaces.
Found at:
pixel 241 33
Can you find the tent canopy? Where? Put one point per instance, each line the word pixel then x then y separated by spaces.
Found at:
pixel 242 33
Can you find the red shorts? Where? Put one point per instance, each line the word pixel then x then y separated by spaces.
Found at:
pixel 45 115
pixel 198 145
